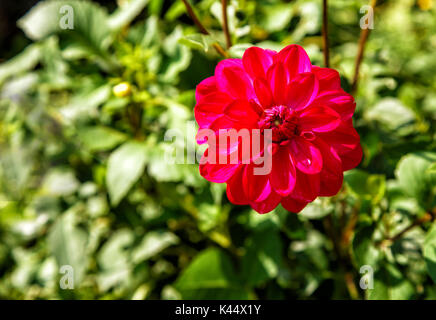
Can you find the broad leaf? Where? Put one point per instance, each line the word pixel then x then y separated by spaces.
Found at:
pixel 67 242
pixel 210 276
pixel 100 138
pixel 125 166
pixel 263 257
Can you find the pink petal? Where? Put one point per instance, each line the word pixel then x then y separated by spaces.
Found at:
pixel 278 80
pixel 295 60
pixel 319 119
pixel 283 172
pixel 306 156
pixel 210 108
pixel 301 91
pixel 256 61
pixel 205 87
pixel 343 139
pixel 256 187
pixel 242 111
pixel 307 187
pixel 331 175
pixel 293 205
pixel 232 79
pixel 338 100
pixel 268 204
pixel 263 92
pixel 329 79
pixel 235 193
pixel 352 158
pixel 216 172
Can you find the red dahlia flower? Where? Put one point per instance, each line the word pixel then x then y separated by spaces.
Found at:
pixel 312 138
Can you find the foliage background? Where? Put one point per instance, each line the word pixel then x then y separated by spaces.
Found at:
pixel 83 181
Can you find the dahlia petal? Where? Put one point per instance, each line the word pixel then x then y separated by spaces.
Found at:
pixel 216 172
pixel 307 187
pixel 232 78
pixel 211 107
pixel 205 87
pixel 242 111
pixel 293 205
pixel 234 192
pixel 268 204
pixel 331 174
pixel 256 187
pixel 278 80
pixel 319 119
pixel 352 158
pixel 343 139
pixel 263 92
pixel 295 60
pixel 329 79
pixel 340 101
pixel 219 126
pixel 306 156
pixel 283 174
pixel 301 91
pixel 256 61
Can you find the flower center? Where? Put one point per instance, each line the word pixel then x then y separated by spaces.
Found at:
pixel 283 122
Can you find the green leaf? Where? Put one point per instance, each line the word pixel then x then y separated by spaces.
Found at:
pixel 392 114
pixel 177 57
pixel 237 51
pixel 24 61
pixel 390 284
pixel 364 250
pixel 60 183
pixel 125 166
pixel 100 138
pixel 276 17
pixel 153 243
pixel 412 176
pixel 366 186
pixel 429 249
pixel 210 276
pixel 89 24
pixel 263 257
pixel 113 259
pixel 126 14
pixel 197 41
pixel 67 242
pixel 84 105
pixel 317 209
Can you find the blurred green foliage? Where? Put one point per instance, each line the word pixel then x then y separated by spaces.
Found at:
pixel 83 181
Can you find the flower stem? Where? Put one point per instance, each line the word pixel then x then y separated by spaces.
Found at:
pixel 202 29
pixel 325 34
pixel 226 24
pixel 364 34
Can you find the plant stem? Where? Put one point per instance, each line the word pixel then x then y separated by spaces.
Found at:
pixel 325 34
pixel 418 222
pixel 426 218
pixel 202 29
pixel 194 18
pixel 364 34
pixel 226 24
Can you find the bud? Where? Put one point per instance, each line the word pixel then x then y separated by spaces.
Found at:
pixel 425 4
pixel 122 89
